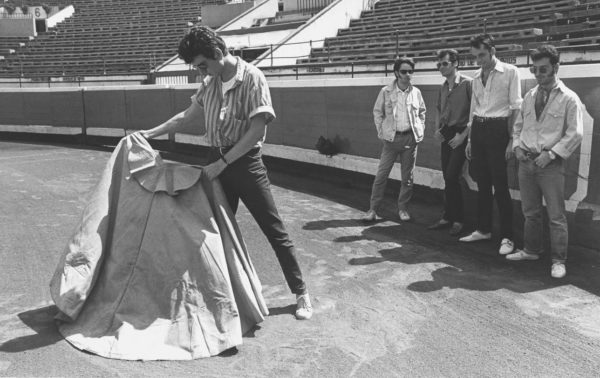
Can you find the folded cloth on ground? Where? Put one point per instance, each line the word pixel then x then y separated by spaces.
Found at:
pixel 157 267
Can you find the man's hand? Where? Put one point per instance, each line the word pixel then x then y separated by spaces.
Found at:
pixel 520 154
pixel 509 153
pixel 543 160
pixel 457 140
pixel 212 171
pixel 437 135
pixel 468 150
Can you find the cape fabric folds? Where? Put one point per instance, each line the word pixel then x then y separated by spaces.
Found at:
pixel 157 268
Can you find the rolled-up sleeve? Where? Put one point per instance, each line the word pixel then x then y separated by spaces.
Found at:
pixel 260 99
pixel 198 97
pixel 517 128
pixel 573 130
pixel 514 90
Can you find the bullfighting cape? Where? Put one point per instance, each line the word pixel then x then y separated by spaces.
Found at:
pixel 157 268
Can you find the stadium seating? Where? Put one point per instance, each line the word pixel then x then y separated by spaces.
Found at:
pixel 112 37
pixel 419 28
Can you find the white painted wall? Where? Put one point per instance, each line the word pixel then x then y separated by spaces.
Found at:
pixel 60 16
pixel 325 24
pixel 266 9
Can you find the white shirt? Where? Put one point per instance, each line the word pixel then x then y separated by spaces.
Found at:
pixel 500 95
pixel 227 85
pixel 401 111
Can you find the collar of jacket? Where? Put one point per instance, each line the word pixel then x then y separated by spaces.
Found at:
pixel 390 87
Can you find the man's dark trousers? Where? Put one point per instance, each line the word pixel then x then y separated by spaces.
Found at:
pixel 452 163
pixel 489 139
pixel 246 179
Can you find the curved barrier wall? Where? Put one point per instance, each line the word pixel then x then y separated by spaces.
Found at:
pixel 338 109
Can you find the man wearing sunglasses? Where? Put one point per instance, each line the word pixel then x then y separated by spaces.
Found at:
pixel 453 106
pixel 548 129
pixel 495 104
pixel 399 115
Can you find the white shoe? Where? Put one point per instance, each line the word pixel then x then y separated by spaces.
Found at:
pixel 475 236
pixel 370 216
pixel 522 255
pixel 558 270
pixel 304 309
pixel 506 247
pixel 404 215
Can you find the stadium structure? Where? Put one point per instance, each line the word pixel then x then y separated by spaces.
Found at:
pixel 64 63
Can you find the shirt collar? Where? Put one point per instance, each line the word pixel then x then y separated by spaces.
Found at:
pixel 500 67
pixel 240 71
pixel 457 79
pixel 393 87
pixel 558 85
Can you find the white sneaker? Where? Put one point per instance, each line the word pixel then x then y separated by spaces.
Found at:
pixel 506 247
pixel 475 236
pixel 404 215
pixel 522 255
pixel 304 309
pixel 558 270
pixel 369 216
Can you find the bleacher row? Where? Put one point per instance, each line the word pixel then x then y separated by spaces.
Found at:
pixel 112 37
pixel 120 37
pixel 419 28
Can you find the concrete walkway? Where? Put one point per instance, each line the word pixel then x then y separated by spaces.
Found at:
pixel 390 299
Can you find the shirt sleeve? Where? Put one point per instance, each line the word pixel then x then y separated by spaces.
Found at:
pixel 471 108
pixel 573 130
pixel 422 108
pixel 260 98
pixel 514 90
pixel 517 128
pixel 378 110
pixel 438 106
pixel 198 97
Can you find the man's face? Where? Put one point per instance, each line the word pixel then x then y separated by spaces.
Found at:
pixel 404 73
pixel 446 67
pixel 207 66
pixel 482 55
pixel 544 71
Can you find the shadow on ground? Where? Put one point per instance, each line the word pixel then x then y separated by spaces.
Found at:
pixel 40 320
pixel 470 266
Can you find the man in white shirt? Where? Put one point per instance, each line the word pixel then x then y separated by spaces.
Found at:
pixel 548 129
pixel 399 116
pixel 495 102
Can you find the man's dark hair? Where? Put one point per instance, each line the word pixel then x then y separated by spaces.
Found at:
pixel 452 54
pixel 483 40
pixel 545 51
pixel 200 40
pixel 398 62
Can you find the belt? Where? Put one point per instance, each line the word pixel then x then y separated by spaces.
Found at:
pixel 531 155
pixel 403 132
pixel 221 150
pixel 487 119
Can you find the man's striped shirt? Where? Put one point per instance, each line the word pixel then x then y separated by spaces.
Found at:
pixel 227 116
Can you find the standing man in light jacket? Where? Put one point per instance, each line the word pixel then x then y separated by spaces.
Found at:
pixel 399 115
pixel 548 129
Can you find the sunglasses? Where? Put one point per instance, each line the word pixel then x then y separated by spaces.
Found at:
pixel 406 72
pixel 543 70
pixel 443 64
